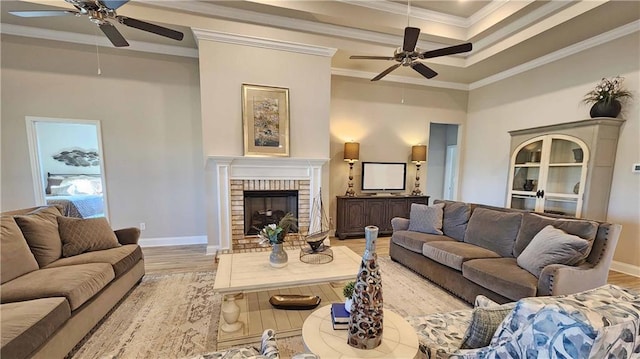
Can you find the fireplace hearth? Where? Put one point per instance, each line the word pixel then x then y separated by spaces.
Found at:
pixel 266 207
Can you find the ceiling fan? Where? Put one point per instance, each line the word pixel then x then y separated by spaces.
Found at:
pixel 409 54
pixel 101 12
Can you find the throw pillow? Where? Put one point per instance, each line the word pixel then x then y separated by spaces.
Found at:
pixel 532 223
pixel 85 235
pixel 455 218
pixel 552 246
pixel 40 229
pixel 494 230
pixel 16 259
pixel 426 219
pixel 484 323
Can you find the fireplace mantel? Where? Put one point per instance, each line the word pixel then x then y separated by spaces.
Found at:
pixel 226 168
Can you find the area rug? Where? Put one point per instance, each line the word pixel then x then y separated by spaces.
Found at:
pixel 176 315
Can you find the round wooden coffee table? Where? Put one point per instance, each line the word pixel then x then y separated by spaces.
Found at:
pixel 399 339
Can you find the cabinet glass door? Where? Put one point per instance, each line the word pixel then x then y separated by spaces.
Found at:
pixel 546 174
pixel 562 182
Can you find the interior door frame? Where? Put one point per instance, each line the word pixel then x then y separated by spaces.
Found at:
pixel 36 165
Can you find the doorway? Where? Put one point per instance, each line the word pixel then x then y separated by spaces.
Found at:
pixel 67 165
pixel 442 162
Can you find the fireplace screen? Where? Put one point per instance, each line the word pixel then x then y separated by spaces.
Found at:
pixel 265 207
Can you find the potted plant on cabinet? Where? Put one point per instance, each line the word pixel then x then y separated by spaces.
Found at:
pixel 606 98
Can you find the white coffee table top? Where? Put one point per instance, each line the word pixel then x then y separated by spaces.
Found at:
pixel 238 272
pixel 399 339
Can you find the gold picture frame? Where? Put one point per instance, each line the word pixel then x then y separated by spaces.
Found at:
pixel 265 120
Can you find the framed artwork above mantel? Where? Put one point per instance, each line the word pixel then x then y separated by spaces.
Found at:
pixel 265 120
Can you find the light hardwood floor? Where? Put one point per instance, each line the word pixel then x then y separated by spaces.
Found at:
pixel 192 258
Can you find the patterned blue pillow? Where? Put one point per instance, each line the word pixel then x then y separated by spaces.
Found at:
pixel 426 219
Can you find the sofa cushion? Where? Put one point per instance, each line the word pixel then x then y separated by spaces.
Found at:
pixel 77 283
pixel 85 235
pixel 455 218
pixel 533 223
pixel 440 334
pixel 413 241
pixel 40 229
pixel 493 230
pixel 29 324
pixel 453 253
pixel 501 275
pixel 484 323
pixel 552 246
pixel 426 219
pixel 17 259
pixel 121 258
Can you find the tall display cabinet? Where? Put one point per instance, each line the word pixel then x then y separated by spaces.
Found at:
pixel 565 168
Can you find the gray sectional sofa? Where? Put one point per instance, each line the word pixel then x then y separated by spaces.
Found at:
pixel 482 251
pixel 60 277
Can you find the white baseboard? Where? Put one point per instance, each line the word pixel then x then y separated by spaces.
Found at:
pixel 625 268
pixel 172 241
pixel 212 250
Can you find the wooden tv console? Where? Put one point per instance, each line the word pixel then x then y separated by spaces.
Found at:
pixel 355 213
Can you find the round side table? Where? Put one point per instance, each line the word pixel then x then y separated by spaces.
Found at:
pixel 399 339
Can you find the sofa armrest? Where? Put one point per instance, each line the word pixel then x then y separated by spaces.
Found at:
pixel 557 279
pixel 399 224
pixel 128 235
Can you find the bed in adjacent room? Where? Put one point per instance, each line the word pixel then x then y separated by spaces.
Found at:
pixel 79 195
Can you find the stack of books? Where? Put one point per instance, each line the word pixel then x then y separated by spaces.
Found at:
pixel 339 316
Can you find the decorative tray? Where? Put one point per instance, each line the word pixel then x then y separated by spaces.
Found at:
pixel 294 301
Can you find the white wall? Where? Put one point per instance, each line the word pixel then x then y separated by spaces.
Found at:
pixel 373 114
pixel 149 108
pixel 548 95
pixel 225 67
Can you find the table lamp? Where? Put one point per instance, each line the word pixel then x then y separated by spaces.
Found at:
pixel 418 155
pixel 351 155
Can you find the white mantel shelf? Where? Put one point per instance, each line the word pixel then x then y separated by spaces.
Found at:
pixel 226 168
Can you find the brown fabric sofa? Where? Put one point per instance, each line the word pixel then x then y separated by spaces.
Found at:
pixel 50 302
pixel 478 252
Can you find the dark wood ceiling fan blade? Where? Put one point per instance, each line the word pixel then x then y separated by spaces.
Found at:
pixel 358 57
pixel 411 35
pixel 145 26
pixel 447 51
pixel 113 4
pixel 113 34
pixel 43 13
pixel 385 72
pixel 424 70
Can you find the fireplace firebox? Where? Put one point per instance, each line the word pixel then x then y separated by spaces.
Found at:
pixel 266 207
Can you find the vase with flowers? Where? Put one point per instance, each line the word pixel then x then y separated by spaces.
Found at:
pixel 606 98
pixel 275 235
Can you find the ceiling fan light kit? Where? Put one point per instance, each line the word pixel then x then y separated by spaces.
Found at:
pixel 100 12
pixel 409 55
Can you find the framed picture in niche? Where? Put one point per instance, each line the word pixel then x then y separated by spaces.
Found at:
pixel 265 120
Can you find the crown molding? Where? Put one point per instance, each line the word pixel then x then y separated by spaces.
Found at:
pixel 520 23
pixel 430 15
pixel 217 11
pixel 603 38
pixel 93 40
pixel 402 79
pixel 210 35
pixel 417 13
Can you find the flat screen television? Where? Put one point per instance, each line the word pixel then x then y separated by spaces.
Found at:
pixel 384 176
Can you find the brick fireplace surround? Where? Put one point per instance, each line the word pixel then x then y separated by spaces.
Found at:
pixel 233 175
pixel 238 238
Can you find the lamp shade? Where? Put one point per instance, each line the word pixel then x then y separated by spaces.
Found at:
pixel 351 151
pixel 419 153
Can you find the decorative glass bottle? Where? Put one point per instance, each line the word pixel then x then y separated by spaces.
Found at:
pixel 365 322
